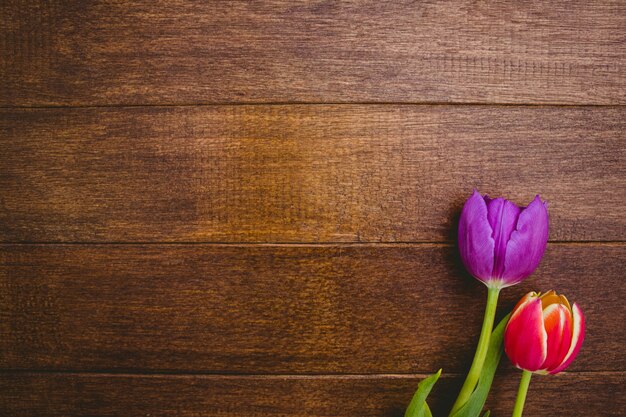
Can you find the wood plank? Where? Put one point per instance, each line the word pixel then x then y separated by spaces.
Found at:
pixel 303 173
pixel 173 52
pixel 573 394
pixel 278 309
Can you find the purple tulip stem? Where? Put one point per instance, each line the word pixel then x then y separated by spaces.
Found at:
pixel 481 351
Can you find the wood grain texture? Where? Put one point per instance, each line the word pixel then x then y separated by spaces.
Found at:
pixel 171 52
pixel 352 173
pixel 68 395
pixel 278 309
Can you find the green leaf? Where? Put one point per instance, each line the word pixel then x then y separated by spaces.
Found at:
pixel 487 413
pixel 426 410
pixel 473 407
pixel 418 407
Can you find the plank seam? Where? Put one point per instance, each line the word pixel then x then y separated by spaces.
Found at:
pixel 306 103
pixel 209 375
pixel 296 244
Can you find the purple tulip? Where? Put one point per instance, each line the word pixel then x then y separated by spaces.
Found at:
pixel 500 243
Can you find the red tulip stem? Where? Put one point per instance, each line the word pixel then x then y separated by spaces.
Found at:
pixel 521 394
pixel 481 351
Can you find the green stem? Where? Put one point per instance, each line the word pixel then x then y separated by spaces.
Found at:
pixel 481 351
pixel 521 394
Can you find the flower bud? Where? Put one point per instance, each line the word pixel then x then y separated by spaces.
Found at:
pixel 500 243
pixel 544 333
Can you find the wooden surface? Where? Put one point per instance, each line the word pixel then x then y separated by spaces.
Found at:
pixel 582 394
pixel 272 309
pixel 180 52
pixel 303 173
pixel 249 208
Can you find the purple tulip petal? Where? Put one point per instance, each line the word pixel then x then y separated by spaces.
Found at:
pixel 527 243
pixel 502 215
pixel 475 238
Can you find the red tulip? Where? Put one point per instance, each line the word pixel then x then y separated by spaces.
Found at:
pixel 544 333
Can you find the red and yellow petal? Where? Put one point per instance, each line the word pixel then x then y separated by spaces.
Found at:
pixel 525 299
pixel 525 338
pixel 558 323
pixel 578 335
